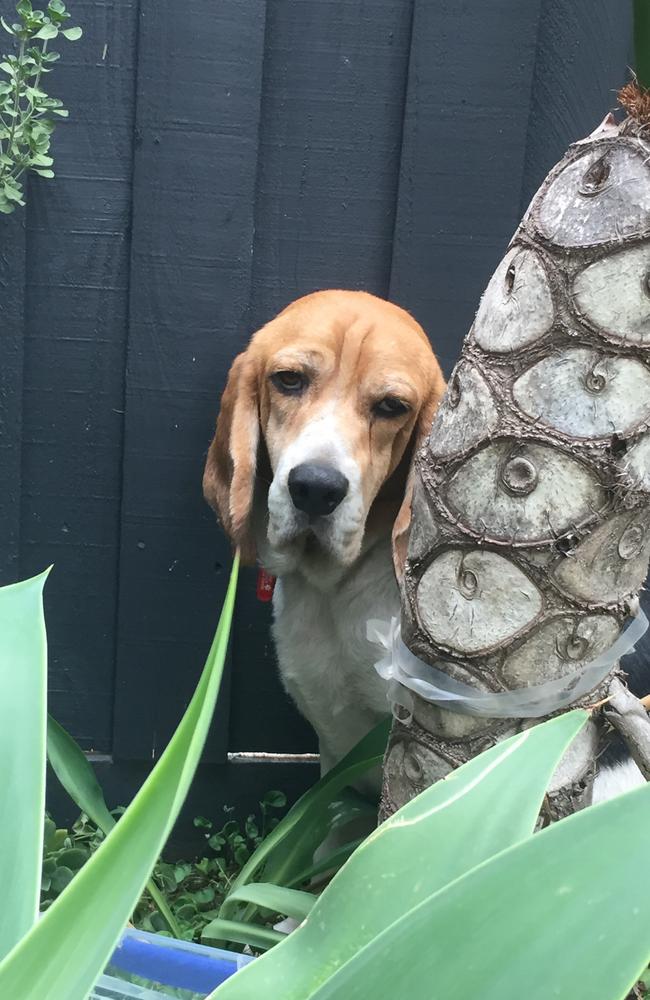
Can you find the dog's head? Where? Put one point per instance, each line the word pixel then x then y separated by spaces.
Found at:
pixel 318 424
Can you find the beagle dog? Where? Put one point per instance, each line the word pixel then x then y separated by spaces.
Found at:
pixel 309 473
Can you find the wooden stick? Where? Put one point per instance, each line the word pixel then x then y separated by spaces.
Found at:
pixel 628 715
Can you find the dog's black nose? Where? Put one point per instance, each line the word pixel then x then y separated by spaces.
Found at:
pixel 317 489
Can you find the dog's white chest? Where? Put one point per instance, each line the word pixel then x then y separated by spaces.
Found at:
pixel 326 662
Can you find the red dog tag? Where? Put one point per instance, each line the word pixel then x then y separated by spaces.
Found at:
pixel 265 585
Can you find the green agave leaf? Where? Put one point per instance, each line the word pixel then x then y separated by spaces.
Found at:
pixel 290 846
pixel 75 773
pixel 483 807
pixel 290 902
pixel 23 693
pixel 349 805
pixel 254 935
pixel 547 918
pixel 62 956
pixel 330 863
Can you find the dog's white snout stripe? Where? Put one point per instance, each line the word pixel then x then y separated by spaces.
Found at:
pixel 335 514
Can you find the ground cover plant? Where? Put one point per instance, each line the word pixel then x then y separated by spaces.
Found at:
pixel 192 889
pixel 191 899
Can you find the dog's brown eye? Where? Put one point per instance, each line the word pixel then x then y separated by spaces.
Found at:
pixel 390 406
pixel 289 382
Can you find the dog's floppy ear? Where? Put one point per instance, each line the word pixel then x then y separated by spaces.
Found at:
pixel 402 524
pixel 229 475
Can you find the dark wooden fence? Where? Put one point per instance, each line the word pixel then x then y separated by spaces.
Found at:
pixel 223 157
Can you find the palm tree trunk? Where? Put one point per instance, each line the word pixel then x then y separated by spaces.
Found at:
pixel 530 531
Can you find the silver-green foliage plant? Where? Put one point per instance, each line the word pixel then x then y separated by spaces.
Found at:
pixel 455 896
pixel 60 956
pixel 27 114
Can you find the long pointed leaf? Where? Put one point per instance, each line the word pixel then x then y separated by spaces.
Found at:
pixel 64 953
pixel 330 863
pixel 23 688
pixel 564 914
pixel 290 846
pixel 485 806
pixel 290 902
pixel 254 935
pixel 75 773
pixel 73 770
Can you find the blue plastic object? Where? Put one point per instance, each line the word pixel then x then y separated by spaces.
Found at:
pixel 172 963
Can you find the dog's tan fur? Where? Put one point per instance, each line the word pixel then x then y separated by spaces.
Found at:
pixel 352 350
pixel 356 348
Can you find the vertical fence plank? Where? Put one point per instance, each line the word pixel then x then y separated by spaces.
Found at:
pixel 12 310
pixel 463 156
pixel 584 49
pixel 334 86
pixel 75 320
pixel 198 103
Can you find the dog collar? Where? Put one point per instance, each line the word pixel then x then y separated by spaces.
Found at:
pixel 265 585
pixel 407 674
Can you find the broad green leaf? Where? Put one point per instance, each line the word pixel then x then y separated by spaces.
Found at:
pixel 23 687
pixel 277 899
pixel 75 773
pixel 564 914
pixel 61 877
pixel 62 956
pixel 483 807
pixel 72 34
pixel 274 800
pixel 11 190
pixel 48 30
pixel 12 194
pixel 290 846
pixel 218 931
pixel 73 857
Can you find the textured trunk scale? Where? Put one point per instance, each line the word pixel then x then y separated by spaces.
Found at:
pixel 530 532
